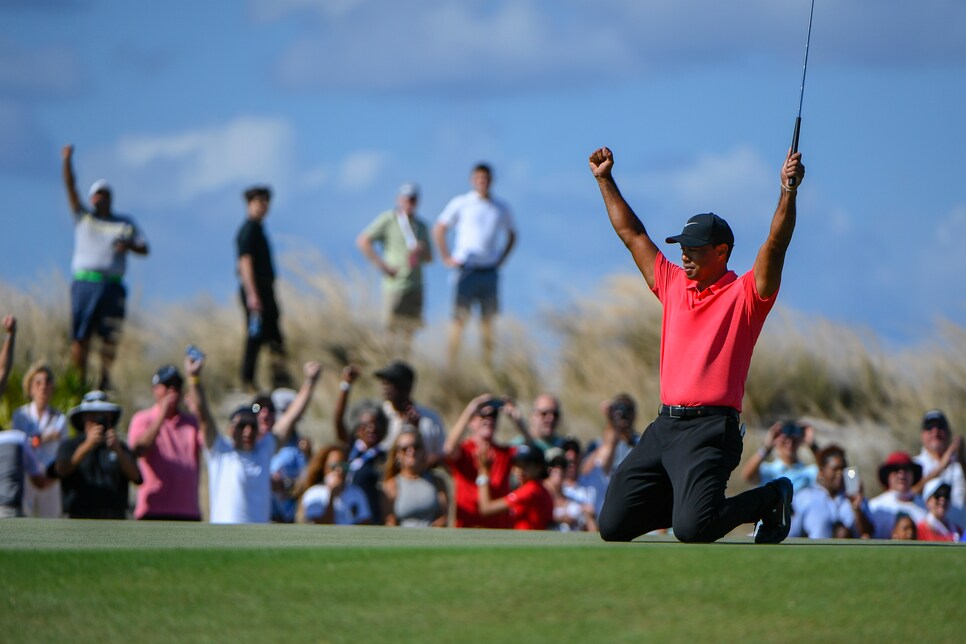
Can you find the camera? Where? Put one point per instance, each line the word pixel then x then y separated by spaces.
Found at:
pixel 194 353
pixel 619 411
pixel 793 429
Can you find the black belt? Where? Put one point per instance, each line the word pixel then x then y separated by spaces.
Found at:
pixel 677 411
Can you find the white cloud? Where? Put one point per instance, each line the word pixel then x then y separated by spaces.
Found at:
pixel 191 163
pixel 359 170
pixel 724 183
pixel 500 46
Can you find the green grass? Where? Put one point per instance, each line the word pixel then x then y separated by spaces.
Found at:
pixel 129 581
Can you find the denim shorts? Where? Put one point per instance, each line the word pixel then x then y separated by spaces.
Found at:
pixel 477 285
pixel 96 307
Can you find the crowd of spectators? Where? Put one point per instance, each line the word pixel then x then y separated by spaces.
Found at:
pixel 395 464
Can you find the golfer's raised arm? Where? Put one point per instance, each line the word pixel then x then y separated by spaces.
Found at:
pixel 771 255
pixel 627 225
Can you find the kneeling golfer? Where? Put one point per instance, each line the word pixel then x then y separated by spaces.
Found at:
pixel 677 474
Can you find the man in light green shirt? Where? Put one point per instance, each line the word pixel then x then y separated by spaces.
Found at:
pixel 404 241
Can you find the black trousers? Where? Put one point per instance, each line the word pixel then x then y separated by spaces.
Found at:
pixel 270 334
pixel 676 478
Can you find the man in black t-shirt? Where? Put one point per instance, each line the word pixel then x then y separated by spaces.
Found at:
pixel 257 275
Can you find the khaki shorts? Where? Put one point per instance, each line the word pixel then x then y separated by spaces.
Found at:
pixel 404 308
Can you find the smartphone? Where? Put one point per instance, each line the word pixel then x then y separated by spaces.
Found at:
pixel 850 479
pixel 194 353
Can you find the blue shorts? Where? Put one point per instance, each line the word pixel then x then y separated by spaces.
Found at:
pixel 477 285
pixel 97 307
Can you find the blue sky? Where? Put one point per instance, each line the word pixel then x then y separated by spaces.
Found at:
pixel 180 105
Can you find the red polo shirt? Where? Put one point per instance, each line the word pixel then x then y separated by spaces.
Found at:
pixel 464 471
pixel 707 337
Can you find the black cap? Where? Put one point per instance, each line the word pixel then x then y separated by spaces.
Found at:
pixel 526 454
pixel 258 191
pixel 244 416
pixel 398 373
pixel 704 229
pixel 935 418
pixel 167 375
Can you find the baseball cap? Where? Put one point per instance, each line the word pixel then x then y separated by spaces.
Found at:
pixel 100 185
pixel 701 230
pixel 167 375
pixel 934 418
pixel 258 191
pixel 526 454
pixel 244 416
pixel 399 373
pixel 409 189
pixel 933 486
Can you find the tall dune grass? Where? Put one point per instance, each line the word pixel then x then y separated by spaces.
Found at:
pixel 841 380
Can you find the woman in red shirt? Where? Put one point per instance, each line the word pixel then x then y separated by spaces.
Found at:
pixel 530 505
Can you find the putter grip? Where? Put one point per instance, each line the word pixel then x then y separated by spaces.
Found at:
pixel 798 128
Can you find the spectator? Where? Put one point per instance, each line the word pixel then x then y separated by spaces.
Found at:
pixel 96 466
pixel 45 428
pixel 785 438
pixel 290 459
pixel 604 456
pixel 818 510
pixel 462 457
pixel 168 442
pixel 102 241
pixel 239 465
pixel 479 221
pixel 288 463
pixel 904 528
pixel 6 350
pixel 897 474
pixel 256 272
pixel 18 464
pixel 937 525
pixel 415 497
pixel 365 456
pixel 404 238
pixel 326 497
pixel 530 506
pixel 398 380
pixel 942 459
pixel 544 420
pixel 573 505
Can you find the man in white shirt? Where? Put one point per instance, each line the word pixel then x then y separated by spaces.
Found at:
pixel 239 464
pixel 480 223
pixel 942 458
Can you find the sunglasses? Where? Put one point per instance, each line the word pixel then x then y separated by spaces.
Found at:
pixel 412 447
pixel 548 412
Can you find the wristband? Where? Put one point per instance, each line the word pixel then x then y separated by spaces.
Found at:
pixel 786 188
pixel 482 480
pixel 194 380
pixel 762 452
pixel 344 385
